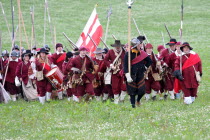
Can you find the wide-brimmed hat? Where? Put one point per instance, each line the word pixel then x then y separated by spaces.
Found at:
pixel 117 44
pixel 27 52
pixel 43 50
pixel 172 42
pixel 75 51
pixel 186 44
pixel 98 51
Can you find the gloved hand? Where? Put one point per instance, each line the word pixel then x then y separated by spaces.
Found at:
pixel 128 77
pixel 112 66
pixel 76 70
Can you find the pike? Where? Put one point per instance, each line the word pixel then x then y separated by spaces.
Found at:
pixel 129 3
pixel 167 31
pixel 49 20
pixel 33 29
pixel 5 18
pixel 180 30
pixel 145 36
pixel 109 12
pixel 134 21
pixel 104 43
pixel 163 39
pixel 13 28
pixel 13 42
pixel 71 42
pixel 114 37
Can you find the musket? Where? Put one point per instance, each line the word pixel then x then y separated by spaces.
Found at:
pixel 71 42
pixel 45 15
pixel 104 43
pixel 163 39
pixel 134 21
pixel 66 48
pixel 109 12
pixel 0 43
pixel 167 31
pixel 114 37
pixel 5 18
pixel 94 43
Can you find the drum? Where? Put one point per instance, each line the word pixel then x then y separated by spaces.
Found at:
pixel 55 76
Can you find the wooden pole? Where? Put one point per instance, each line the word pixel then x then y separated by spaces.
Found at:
pixel 129 3
pixel 5 18
pixel 107 25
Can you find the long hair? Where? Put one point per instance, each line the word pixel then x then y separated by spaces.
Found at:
pixel 45 60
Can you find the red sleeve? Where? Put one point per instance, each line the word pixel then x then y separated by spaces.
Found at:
pixel 107 58
pixel 18 70
pixel 177 64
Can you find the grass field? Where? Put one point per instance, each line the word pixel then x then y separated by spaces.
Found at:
pixel 153 120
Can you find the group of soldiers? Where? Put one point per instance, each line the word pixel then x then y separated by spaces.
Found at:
pixel 106 74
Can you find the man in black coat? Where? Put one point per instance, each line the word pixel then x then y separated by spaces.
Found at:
pixel 140 61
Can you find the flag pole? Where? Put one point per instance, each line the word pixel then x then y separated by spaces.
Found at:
pixel 129 3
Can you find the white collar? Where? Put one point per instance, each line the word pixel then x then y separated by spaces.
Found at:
pixel 81 56
pixel 191 52
pixel 58 52
pixel 16 60
pixel 99 58
pixel 3 59
pixel 176 53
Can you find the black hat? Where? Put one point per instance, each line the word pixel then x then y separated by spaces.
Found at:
pixel 75 51
pixel 106 50
pixel 172 42
pixel 117 44
pixel 141 38
pixel 185 44
pixel 69 54
pixel 27 52
pixel 43 50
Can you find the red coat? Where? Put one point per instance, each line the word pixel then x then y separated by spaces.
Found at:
pixel 10 77
pixel 110 57
pixel 39 66
pixel 77 62
pixel 58 59
pixel 154 69
pixel 188 73
pixel 165 56
pixel 22 71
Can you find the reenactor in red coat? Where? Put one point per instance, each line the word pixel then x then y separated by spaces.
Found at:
pixel 168 79
pixel 172 60
pixel 3 62
pixel 82 68
pixel 152 75
pixel 44 87
pixel 67 75
pixel 114 60
pixel 190 74
pixel 58 57
pixel 98 83
pixel 10 75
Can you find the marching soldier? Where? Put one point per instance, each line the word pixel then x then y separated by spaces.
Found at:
pixel 82 68
pixel 135 79
pixel 98 83
pixel 43 65
pixel 67 75
pixel 3 62
pixel 152 75
pixel 165 58
pixel 191 72
pixel 114 60
pixel 10 77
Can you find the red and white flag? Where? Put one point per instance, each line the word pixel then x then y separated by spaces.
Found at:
pixel 94 28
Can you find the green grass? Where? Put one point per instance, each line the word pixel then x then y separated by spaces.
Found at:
pixel 153 120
